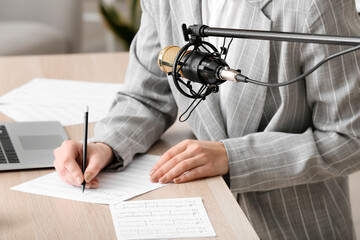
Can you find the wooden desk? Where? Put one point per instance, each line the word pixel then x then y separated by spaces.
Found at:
pixel 29 216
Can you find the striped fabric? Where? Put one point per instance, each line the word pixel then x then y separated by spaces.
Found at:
pixel 290 149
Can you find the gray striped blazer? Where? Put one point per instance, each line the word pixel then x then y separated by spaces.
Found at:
pixel 290 149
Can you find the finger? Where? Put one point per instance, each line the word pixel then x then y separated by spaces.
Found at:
pixel 93 184
pixel 63 173
pixel 93 168
pixel 175 150
pixel 181 168
pixel 167 166
pixel 69 149
pixel 66 157
pixel 74 171
pixel 196 173
pixel 66 177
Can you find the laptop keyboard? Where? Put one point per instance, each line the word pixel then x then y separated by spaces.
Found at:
pixel 7 151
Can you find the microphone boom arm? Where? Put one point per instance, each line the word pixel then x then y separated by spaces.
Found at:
pixel 211 70
pixel 197 31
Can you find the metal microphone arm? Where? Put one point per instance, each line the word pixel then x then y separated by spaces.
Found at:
pixel 197 31
pixel 193 35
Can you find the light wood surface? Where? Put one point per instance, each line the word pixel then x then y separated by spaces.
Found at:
pixel 29 216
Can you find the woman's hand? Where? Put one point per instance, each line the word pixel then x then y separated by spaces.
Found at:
pixel 68 162
pixel 189 160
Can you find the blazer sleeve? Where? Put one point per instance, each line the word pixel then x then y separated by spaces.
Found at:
pixel 145 107
pixel 331 146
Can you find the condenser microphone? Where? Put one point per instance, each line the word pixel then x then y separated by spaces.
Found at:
pixel 197 66
pixel 210 70
pixel 166 58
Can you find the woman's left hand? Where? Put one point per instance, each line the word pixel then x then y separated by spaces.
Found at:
pixel 189 160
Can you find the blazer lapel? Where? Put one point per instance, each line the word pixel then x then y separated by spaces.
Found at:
pixel 260 4
pixel 244 102
pixel 212 126
pixel 190 13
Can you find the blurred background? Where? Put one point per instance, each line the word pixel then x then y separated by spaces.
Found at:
pixel 109 25
pixel 33 27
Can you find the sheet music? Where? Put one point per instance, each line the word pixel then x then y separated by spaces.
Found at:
pixel 113 186
pixel 165 218
pixel 60 100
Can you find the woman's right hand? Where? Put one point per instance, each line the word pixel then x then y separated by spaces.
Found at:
pixel 68 162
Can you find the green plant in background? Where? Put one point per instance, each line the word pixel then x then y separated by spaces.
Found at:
pixel 123 28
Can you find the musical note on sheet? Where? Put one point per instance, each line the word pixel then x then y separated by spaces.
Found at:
pixel 165 218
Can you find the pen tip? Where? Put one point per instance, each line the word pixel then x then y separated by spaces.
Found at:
pixel 86 108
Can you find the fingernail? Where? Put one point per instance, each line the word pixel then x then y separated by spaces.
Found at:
pixel 153 179
pixel 88 177
pixel 78 180
pixel 151 172
pixel 176 180
pixel 162 180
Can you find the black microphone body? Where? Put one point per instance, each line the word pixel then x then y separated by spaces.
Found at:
pixel 203 67
pixel 200 67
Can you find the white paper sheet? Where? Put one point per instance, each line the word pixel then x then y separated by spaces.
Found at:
pixel 165 218
pixel 60 100
pixel 114 187
pixel 66 116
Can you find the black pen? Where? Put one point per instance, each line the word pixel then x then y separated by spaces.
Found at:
pixel 86 117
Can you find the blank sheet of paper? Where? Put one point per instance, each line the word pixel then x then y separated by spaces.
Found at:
pixel 113 186
pixel 165 218
pixel 60 100
pixel 66 116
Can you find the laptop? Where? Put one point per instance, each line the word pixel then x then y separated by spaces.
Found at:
pixel 29 145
